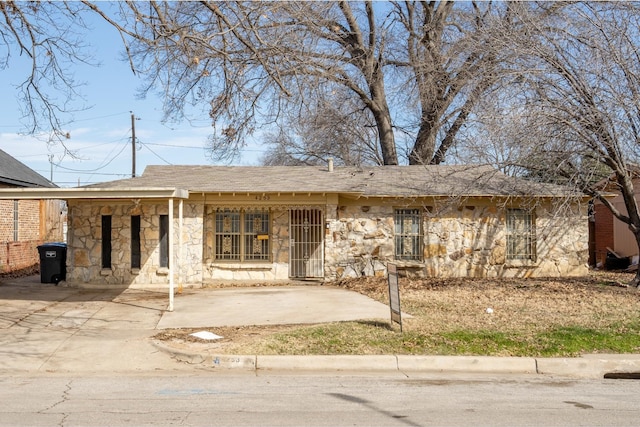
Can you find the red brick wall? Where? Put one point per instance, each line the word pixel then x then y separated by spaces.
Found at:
pixel 6 220
pixel 39 221
pixel 18 255
pixel 603 232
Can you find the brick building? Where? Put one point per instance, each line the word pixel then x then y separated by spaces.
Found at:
pixel 607 233
pixel 25 224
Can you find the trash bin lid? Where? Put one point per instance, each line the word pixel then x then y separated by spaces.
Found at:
pixel 53 245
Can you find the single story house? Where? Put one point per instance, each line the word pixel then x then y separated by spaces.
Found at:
pixel 25 224
pixel 200 224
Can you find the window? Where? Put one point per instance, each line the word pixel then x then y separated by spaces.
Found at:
pixel 256 236
pixel 164 241
pixel 521 235
pixel 135 241
pixel 408 234
pixel 16 221
pixel 106 241
pixel 242 235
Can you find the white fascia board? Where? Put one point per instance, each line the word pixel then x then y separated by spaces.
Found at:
pixel 93 193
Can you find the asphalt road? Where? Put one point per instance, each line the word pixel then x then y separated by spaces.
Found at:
pixel 243 399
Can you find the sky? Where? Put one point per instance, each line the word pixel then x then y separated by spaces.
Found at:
pixel 100 136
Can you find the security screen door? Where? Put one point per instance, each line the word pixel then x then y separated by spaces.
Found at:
pixel 306 248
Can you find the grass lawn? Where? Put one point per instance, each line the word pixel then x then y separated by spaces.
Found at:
pixel 528 317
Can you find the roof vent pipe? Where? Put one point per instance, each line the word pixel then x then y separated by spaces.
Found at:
pixel 330 164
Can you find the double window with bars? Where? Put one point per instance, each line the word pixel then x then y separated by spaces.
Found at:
pixel 242 235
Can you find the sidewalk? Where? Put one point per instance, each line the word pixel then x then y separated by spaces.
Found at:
pixel 44 328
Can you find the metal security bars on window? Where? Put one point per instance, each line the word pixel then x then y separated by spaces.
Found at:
pixel 521 235
pixel 408 234
pixel 228 235
pixel 256 236
pixel 242 236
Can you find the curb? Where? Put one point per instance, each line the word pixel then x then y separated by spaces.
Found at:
pixel 590 366
pixel 472 364
pixel 587 367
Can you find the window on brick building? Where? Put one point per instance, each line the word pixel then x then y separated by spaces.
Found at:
pixel 16 221
pixel 106 241
pixel 408 234
pixel 521 235
pixel 135 241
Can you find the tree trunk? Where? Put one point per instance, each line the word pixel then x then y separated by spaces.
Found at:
pixel 387 139
pixel 425 144
pixel 380 110
pixel 635 282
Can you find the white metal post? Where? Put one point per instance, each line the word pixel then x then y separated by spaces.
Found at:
pixel 171 260
pixel 180 244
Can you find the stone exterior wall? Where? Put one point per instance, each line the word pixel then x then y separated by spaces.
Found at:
pixel 359 243
pixel 465 241
pixel 458 241
pixel 276 269
pixel 84 245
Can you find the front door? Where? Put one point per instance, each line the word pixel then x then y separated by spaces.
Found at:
pixel 306 248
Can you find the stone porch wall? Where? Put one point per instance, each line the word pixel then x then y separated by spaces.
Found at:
pixel 84 244
pixel 466 241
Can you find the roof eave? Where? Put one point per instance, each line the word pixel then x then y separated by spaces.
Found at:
pixel 93 193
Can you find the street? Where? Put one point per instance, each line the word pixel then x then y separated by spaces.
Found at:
pixel 329 399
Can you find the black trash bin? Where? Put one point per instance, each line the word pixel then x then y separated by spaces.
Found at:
pixel 53 262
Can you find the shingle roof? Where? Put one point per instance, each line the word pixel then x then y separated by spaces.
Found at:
pixel 367 181
pixel 15 173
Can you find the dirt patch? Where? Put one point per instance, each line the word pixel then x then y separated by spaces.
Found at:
pixel 24 272
pixel 236 336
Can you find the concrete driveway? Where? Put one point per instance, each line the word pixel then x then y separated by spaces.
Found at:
pixel 55 328
pixel 269 306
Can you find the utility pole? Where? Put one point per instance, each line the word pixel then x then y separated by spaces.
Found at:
pixel 51 165
pixel 133 145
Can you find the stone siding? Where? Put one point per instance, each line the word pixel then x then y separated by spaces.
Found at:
pixel 359 243
pixel 466 241
pixel 84 245
pixel 275 269
pixel 458 241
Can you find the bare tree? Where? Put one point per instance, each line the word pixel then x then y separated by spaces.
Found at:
pixel 333 128
pixel 246 60
pixel 415 67
pixel 575 105
pixel 46 38
pixel 450 64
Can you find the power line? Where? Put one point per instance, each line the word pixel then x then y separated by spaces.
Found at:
pixel 99 117
pixel 87 119
pixel 175 146
pixel 74 172
pixel 102 166
pixel 154 153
